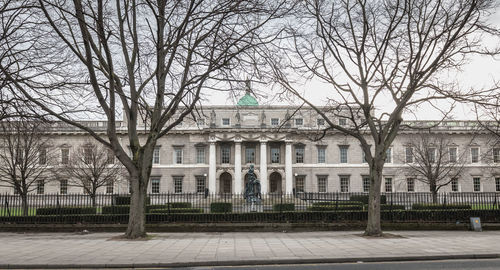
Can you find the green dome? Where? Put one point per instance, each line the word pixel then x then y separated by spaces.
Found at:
pixel 247 100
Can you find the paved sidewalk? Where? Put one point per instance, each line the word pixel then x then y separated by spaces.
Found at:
pixel 66 250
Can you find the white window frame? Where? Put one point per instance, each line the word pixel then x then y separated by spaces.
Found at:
pixel 496 156
pixel 321 154
pixel 200 189
pixel 455 159
pixel 156 180
pixel 344 154
pixel 247 149
pixel 274 124
pixel 365 183
pixel 320 122
pixel 228 121
pixel 388 158
pixel 455 181
pixel 431 151
pixel 302 149
pixel 412 184
pixel 278 156
pixel 222 157
pixel 156 155
pixel 478 155
pixel 63 187
pixel 302 122
pixel 322 183
pixel 391 184
pixel 178 155
pixel 409 157
pixel 344 189
pixel 200 157
pixel 474 178
pixel 67 157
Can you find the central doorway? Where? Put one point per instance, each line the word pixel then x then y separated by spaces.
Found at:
pixel 225 180
pixel 275 182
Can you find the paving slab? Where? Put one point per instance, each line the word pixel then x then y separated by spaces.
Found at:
pixel 63 250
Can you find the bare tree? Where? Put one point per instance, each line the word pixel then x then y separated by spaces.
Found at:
pixel 433 159
pixel 374 54
pixel 91 167
pixel 151 59
pixel 25 154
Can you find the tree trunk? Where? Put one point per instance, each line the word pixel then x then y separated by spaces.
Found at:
pixel 373 227
pixel 24 204
pixel 137 217
pixel 434 193
pixel 93 197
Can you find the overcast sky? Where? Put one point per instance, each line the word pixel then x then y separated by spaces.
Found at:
pixel 480 72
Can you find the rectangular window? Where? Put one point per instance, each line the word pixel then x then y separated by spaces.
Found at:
pixel 200 184
pixel 87 155
pixel 299 154
pixel 299 121
pixel 275 155
pixel 110 157
pixel 64 155
pixel 200 155
pixel 476 181
pixel 201 122
pixel 474 154
pixel 410 184
pixel 226 121
pixel 388 184
pixel 344 183
pixel 321 122
pixel 409 154
pixel 497 184
pixel 42 156
pixel 452 152
pixel 343 153
pixel 322 183
pixel 275 122
pixel 110 188
pixel 40 186
pixel 178 155
pixel 299 183
pixel 155 185
pixel 366 184
pixel 454 184
pixel 63 187
pixel 388 155
pixel 250 154
pixel 225 154
pixel 342 122
pixel 178 184
pixel 156 155
pixel 496 155
pixel 431 152
pixel 321 155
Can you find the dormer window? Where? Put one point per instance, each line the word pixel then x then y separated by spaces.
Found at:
pixel 299 121
pixel 275 122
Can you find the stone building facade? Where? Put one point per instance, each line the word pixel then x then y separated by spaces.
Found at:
pixel 217 149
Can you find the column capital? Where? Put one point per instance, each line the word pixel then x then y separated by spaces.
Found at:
pixel 262 141
pixel 238 141
pixel 288 142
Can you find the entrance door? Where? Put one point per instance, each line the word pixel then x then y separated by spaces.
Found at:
pixel 225 180
pixel 275 182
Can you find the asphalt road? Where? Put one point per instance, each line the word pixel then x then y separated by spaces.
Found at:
pixel 484 264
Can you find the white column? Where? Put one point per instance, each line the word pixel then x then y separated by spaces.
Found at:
pixel 211 168
pixel 288 168
pixel 237 167
pixel 263 167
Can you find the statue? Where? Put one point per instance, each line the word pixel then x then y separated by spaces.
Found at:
pixel 212 118
pixel 238 119
pixel 263 119
pixel 252 188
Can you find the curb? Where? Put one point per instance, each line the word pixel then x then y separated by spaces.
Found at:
pixel 255 262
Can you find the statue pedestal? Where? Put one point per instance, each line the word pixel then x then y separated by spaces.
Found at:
pixel 255 207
